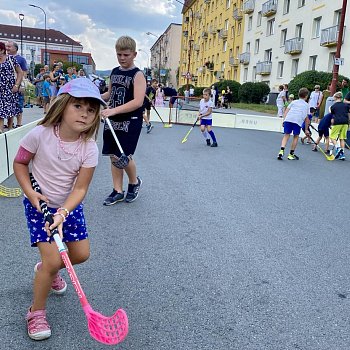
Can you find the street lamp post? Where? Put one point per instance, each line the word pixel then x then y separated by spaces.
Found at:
pixel 45 55
pixel 160 52
pixel 21 18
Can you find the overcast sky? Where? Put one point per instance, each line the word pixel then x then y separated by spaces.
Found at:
pixel 98 23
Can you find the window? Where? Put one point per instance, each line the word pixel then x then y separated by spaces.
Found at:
pixel 283 37
pixel 316 28
pixel 295 64
pixel 239 28
pixel 270 27
pixel 247 47
pixel 312 62
pixel 268 55
pixel 286 6
pixel 237 51
pixel 331 61
pixel 337 15
pixel 301 3
pixel 258 22
pixel 224 46
pixel 245 74
pixel 257 46
pixel 298 30
pixel 280 69
pixel 226 24
pixel 250 22
pixel 254 74
pixel 228 4
pixel 235 74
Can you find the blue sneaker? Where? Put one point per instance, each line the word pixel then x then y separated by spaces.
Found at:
pixel 341 155
pixel 337 152
pixel 133 191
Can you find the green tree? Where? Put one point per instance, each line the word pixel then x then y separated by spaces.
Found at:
pixel 233 85
pixel 253 92
pixel 311 78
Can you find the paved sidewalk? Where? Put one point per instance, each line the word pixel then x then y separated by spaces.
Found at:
pixel 226 248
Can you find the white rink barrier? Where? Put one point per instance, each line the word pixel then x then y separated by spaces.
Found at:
pixel 9 143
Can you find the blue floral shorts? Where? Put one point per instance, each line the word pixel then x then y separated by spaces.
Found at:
pixel 74 228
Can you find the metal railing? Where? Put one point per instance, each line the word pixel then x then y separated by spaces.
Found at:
pixel 264 68
pixel 237 14
pixel 269 8
pixel 329 36
pixel 294 46
pixel 223 33
pixel 248 6
pixel 244 58
pixel 234 62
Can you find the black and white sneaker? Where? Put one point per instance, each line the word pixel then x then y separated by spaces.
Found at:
pixel 214 144
pixel 149 127
pixel 133 191
pixel 114 197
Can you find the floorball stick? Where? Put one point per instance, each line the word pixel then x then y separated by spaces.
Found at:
pixel 330 157
pixel 10 192
pixel 123 160
pixel 189 131
pixel 165 125
pixel 107 330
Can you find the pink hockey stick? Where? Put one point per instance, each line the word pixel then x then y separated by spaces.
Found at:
pixel 107 330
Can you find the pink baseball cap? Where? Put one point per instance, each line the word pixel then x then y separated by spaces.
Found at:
pixel 80 88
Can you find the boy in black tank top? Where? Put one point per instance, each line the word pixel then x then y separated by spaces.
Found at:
pixel 126 92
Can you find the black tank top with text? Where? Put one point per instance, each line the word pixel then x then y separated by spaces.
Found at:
pixel 122 91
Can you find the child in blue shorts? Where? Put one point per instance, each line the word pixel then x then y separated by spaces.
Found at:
pixel 294 116
pixel 205 115
pixel 323 131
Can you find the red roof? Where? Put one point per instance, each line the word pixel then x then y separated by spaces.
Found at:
pixel 13 33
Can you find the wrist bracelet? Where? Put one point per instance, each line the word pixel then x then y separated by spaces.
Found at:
pixel 62 216
pixel 65 210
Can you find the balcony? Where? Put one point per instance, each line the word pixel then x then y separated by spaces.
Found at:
pixel 264 68
pixel 237 14
pixel 223 33
pixel 219 75
pixel 269 8
pixel 213 30
pixel 248 6
pixel 329 36
pixel 209 65
pixel 294 46
pixel 233 62
pixel 207 1
pixel 205 34
pixel 196 47
pixel 244 58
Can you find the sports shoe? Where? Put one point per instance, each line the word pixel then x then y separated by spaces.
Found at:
pixel 292 157
pixel 280 154
pixel 341 155
pixel 37 325
pixel 133 191
pixel 114 197
pixel 328 152
pixel 149 127
pixel 214 144
pixel 314 148
pixel 59 285
pixel 337 152
pixel 208 142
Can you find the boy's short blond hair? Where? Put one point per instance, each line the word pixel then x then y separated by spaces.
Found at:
pixel 338 94
pixel 207 91
pixel 125 43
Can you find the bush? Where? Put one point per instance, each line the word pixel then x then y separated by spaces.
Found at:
pixel 309 79
pixel 253 92
pixel 234 87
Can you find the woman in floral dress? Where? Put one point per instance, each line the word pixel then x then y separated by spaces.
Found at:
pixel 9 86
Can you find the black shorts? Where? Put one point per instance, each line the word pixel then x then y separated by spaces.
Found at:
pixel 128 133
pixel 147 105
pixel 322 133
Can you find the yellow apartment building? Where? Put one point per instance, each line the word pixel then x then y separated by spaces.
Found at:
pixel 211 42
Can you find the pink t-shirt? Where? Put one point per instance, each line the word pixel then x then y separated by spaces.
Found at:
pixel 53 168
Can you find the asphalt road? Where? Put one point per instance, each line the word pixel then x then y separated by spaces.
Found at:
pixel 225 249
